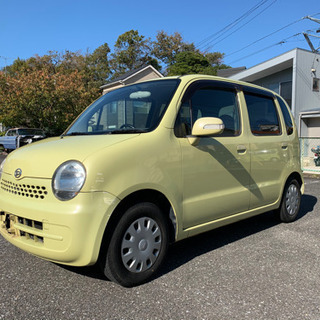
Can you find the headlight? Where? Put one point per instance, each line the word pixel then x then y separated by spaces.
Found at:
pixel 1 167
pixel 68 180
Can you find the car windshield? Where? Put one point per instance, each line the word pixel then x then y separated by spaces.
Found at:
pixel 25 132
pixel 131 109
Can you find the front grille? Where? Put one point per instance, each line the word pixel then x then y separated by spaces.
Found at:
pixel 24 190
pixel 16 226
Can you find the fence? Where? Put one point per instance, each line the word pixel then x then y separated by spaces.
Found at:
pixel 308 162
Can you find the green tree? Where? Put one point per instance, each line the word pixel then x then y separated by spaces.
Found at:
pixel 131 51
pixel 166 47
pixel 17 66
pixel 97 66
pixel 214 58
pixel 190 62
pixel 94 67
pixel 43 100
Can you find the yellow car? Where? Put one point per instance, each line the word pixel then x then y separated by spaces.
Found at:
pixel 149 164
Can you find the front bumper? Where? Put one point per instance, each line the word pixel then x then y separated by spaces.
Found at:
pixel 67 232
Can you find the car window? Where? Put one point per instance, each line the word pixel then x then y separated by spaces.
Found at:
pixel 263 115
pixel 210 102
pixel 286 115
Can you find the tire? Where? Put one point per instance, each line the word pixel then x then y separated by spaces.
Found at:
pixel 290 203
pixel 137 246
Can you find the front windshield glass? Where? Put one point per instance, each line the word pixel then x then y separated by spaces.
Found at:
pixel 131 109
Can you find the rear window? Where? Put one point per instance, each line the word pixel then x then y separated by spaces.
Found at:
pixel 286 115
pixel 263 115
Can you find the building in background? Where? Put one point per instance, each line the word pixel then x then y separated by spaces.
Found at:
pixel 295 76
pixel 133 76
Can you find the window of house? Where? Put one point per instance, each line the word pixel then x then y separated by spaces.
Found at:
pixel 315 84
pixel 263 115
pixel 286 92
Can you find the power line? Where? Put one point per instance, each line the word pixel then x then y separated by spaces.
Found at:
pixel 209 47
pixel 219 33
pixel 231 25
pixel 266 48
pixel 256 41
pixel 270 34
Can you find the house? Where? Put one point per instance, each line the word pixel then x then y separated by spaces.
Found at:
pixel 295 76
pixel 133 76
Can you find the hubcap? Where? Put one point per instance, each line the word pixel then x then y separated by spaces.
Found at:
pixel 292 199
pixel 141 245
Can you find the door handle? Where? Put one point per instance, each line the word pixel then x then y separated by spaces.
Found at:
pixel 284 146
pixel 241 148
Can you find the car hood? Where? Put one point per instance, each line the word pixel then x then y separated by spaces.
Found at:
pixel 41 159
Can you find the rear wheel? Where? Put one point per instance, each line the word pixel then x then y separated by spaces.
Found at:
pixel 137 246
pixel 290 204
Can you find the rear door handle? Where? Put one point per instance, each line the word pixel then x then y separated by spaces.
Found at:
pixel 284 146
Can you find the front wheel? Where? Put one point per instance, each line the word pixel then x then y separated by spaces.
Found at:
pixel 290 204
pixel 137 246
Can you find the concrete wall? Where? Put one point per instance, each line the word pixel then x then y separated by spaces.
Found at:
pixel 310 125
pixel 273 81
pixel 314 127
pixel 305 98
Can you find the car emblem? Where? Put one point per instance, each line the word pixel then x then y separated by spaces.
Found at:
pixel 18 173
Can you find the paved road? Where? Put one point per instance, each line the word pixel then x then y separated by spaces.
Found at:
pixel 255 269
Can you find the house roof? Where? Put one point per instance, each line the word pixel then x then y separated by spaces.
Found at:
pixel 126 76
pixel 229 72
pixel 276 64
pixel 271 66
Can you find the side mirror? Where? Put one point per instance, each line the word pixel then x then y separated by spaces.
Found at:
pixel 205 127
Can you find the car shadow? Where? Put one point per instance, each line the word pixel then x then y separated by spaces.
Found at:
pixel 186 250
pixel 93 271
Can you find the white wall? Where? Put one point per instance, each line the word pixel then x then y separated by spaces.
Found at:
pixel 305 98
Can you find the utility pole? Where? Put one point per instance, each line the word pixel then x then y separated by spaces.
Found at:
pixel 306 35
pixel 313 49
pixel 313 19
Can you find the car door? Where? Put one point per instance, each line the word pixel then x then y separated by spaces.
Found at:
pixel 269 148
pixel 10 139
pixel 215 171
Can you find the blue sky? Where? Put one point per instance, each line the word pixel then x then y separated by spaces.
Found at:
pixel 35 27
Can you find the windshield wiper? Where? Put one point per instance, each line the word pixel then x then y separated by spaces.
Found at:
pixel 127 131
pixel 77 134
pixel 120 131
